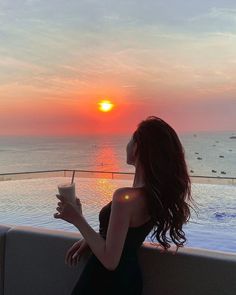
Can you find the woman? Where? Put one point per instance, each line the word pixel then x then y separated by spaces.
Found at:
pixel 157 200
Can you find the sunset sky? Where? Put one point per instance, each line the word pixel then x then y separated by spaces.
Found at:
pixel 172 59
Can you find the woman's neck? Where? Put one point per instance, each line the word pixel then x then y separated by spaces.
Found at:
pixel 138 177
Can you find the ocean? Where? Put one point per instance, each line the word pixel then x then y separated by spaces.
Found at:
pixel 204 152
pixel 33 202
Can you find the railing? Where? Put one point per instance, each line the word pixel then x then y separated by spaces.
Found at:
pixel 104 174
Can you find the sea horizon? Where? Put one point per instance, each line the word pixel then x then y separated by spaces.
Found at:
pixel 204 152
pixel 207 153
pixel 112 134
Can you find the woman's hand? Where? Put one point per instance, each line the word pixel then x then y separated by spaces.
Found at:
pixel 69 212
pixel 75 251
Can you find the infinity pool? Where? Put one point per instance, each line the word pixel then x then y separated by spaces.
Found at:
pixel 33 202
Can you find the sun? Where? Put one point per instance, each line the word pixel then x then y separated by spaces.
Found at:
pixel 105 106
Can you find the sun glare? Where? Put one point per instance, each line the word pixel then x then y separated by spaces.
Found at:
pixel 105 106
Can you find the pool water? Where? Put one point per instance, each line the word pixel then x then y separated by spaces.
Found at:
pixel 33 202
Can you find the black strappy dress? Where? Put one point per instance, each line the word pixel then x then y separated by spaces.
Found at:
pixel 127 277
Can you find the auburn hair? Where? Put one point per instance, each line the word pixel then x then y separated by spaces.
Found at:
pixel 167 181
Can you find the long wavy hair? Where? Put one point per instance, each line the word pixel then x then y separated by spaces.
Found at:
pixel 167 181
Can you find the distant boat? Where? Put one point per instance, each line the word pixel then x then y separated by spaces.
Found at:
pixel 222 172
pixel 221 156
pixel 191 171
pixel 214 171
pixel 232 137
pixel 196 153
pixel 199 158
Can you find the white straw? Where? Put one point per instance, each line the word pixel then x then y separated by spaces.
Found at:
pixel 73 175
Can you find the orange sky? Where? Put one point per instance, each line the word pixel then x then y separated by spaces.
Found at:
pixel 58 60
pixel 83 117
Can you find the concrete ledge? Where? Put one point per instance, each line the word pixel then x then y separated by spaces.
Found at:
pixel 192 271
pixel 34 262
pixel 3 231
pixel 34 265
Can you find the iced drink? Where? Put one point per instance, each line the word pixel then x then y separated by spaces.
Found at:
pixel 67 191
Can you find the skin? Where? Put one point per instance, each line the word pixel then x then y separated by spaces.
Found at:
pixel 131 149
pixel 128 209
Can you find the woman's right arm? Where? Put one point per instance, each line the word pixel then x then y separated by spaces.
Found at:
pixel 75 251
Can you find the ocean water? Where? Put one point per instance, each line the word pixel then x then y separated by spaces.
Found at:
pixel 204 152
pixel 33 202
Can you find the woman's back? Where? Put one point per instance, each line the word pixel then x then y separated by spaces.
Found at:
pixel 140 224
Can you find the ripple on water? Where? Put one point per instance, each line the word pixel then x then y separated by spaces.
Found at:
pixel 33 202
pixel 221 215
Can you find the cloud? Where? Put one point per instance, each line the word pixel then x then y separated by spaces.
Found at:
pixel 228 14
pixel 145 52
pixel 11 62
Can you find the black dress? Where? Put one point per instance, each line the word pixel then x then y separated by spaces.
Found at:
pixel 127 277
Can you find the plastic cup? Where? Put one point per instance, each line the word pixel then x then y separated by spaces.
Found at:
pixel 67 191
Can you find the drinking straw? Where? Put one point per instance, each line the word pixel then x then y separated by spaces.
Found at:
pixel 73 175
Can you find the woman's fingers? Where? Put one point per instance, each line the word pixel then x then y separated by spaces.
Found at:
pixel 75 257
pixel 71 251
pixel 69 255
pixel 73 260
pixel 73 254
pixel 57 215
pixel 76 260
pixel 75 245
pixel 69 258
pixel 59 197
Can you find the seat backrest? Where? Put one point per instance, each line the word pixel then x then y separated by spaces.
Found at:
pixel 34 264
pixel 192 271
pixel 3 231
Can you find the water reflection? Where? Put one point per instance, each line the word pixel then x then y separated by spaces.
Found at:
pixel 32 202
pixel 105 159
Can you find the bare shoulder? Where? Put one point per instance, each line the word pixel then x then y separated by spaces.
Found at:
pixel 128 195
pixel 133 202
